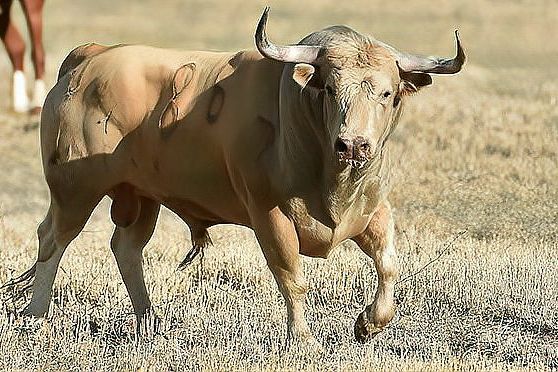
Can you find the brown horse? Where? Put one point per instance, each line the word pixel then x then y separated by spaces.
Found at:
pixel 15 46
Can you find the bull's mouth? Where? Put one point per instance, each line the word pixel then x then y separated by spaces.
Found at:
pixel 353 162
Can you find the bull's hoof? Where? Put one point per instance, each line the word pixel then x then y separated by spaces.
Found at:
pixel 365 329
pixel 304 343
pixel 30 324
pixel 149 324
pixel 31 311
pixel 307 347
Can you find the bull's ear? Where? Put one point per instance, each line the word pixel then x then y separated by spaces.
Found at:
pixel 303 73
pixel 412 82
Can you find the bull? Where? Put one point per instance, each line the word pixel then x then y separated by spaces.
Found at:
pixel 287 140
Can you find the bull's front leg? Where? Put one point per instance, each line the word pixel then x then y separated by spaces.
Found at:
pixel 377 241
pixel 277 236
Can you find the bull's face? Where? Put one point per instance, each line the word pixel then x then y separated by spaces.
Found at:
pixel 354 85
pixel 360 105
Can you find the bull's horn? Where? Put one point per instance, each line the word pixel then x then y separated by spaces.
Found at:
pixel 434 65
pixel 291 53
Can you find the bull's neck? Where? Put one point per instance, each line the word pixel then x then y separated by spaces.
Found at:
pixel 301 158
pixel 307 168
pixel 301 145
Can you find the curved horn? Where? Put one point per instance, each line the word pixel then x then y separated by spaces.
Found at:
pixel 433 65
pixel 291 53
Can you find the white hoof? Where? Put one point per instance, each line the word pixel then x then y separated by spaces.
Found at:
pixel 20 101
pixel 305 344
pixel 39 94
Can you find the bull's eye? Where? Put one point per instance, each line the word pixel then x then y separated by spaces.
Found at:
pixel 386 94
pixel 330 90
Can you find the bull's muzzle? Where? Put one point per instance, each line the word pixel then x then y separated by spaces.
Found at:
pixel 353 151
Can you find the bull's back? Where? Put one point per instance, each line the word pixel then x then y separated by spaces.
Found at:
pixel 120 113
pixel 78 55
pixel 102 95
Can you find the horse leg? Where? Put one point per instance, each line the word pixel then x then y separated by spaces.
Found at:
pixel 33 10
pixel 15 46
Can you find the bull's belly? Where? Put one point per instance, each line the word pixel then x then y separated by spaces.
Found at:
pixel 199 201
pixel 201 213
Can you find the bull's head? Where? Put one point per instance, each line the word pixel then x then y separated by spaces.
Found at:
pixel 351 87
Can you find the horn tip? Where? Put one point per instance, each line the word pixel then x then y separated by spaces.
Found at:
pixel 457 39
pixel 263 17
pixel 460 51
pixel 260 36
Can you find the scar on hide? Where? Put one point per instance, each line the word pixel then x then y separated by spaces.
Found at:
pixel 75 80
pixel 106 119
pixel 216 104
pixel 182 77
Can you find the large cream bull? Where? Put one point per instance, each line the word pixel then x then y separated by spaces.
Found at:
pixel 288 140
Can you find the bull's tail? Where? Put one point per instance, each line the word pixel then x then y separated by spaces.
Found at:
pixel 25 277
pixel 78 55
pixel 200 240
pixel 17 288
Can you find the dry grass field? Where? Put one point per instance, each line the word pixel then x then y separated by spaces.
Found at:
pixel 475 192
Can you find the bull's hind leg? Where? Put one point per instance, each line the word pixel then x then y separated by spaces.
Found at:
pixel 377 241
pixel 60 226
pixel 127 245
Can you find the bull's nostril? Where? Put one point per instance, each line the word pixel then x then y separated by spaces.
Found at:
pixel 365 146
pixel 362 145
pixel 341 146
